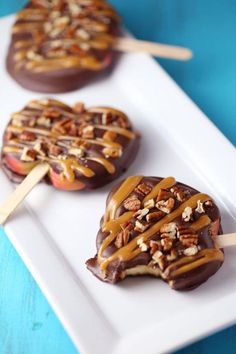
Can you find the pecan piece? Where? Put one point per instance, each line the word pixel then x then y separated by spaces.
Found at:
pixel 132 203
pixel 140 227
pixel 156 215
pixel 164 194
pixel 179 193
pixel 166 243
pixel 187 214
pixel 191 251
pixel 52 113
pixel 27 136
pixel 88 132
pixel 160 259
pixel 188 240
pixel 155 246
pixel 143 189
pixel 28 155
pixel 166 205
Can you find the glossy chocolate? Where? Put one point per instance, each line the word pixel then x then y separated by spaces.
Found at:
pixel 158 227
pixel 85 147
pixel 61 45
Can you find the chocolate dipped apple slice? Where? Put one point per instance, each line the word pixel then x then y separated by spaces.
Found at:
pixel 159 227
pixel 85 148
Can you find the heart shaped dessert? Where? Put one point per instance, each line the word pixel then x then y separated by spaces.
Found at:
pixel 60 45
pixel 159 227
pixel 85 148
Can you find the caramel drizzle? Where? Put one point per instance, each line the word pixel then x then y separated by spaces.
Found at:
pixel 131 250
pixel 189 263
pixel 68 165
pixel 164 184
pixel 125 189
pixel 113 226
pixel 105 163
pixel 35 18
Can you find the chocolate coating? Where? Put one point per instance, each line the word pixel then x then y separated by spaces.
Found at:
pixel 61 46
pixel 175 240
pixel 86 148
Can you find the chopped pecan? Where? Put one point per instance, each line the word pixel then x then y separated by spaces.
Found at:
pixel 142 245
pixel 166 243
pixel 156 215
pixel 188 240
pixel 200 208
pixel 155 246
pixel 187 214
pixel 73 130
pixel 164 194
pixel 143 189
pixel 46 122
pixel 173 255
pixel 88 132
pixel 140 227
pixel 28 155
pixel 141 213
pixel 191 251
pixel 169 229
pixel 160 259
pixel 180 193
pixel 149 204
pixel 109 135
pixel 132 203
pixel 166 205
pixel 27 136
pixel 122 238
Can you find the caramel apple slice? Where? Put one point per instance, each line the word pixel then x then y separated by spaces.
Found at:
pixel 159 227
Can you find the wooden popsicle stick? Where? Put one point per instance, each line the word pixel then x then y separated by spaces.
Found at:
pixel 226 240
pixel 127 44
pixel 19 194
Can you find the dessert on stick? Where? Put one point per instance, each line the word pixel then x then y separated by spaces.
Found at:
pixel 159 227
pixel 61 45
pixel 84 148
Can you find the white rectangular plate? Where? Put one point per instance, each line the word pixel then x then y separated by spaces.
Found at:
pixel 54 231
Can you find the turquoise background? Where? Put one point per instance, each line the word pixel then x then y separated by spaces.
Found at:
pixel 28 325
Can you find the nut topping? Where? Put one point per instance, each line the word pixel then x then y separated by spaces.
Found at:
pixel 191 251
pixel 166 205
pixel 88 132
pixel 187 214
pixel 28 155
pixel 46 122
pixel 166 243
pixel 132 203
pixel 143 189
pixel 27 136
pixel 200 208
pixel 149 204
pixel 169 230
pixel 140 227
pixel 163 194
pixel 141 213
pixel 156 215
pixel 142 245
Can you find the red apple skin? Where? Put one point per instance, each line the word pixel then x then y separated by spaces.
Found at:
pixel 20 167
pixel 65 185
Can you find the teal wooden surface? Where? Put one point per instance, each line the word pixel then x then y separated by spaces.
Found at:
pixel 28 325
